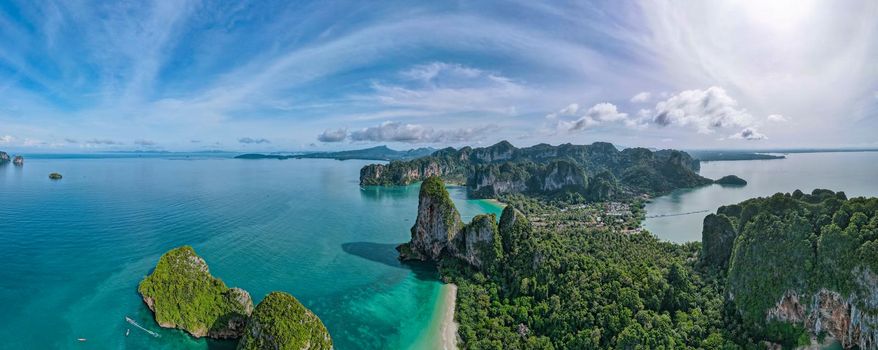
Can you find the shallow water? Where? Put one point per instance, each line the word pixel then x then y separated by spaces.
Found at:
pixel 855 173
pixel 74 250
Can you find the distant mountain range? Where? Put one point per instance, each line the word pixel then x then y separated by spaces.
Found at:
pixel 373 153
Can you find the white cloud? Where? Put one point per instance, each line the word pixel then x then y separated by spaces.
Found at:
pixel 706 110
pixel 748 134
pixel 777 118
pixel 6 139
pixel 250 140
pixel 337 135
pixel 448 88
pixel 641 97
pixel 415 133
pixel 571 109
pixel 598 114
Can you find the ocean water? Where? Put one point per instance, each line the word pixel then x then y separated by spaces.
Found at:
pixel 855 173
pixel 73 251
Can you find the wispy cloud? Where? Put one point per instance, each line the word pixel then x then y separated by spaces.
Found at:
pixel 413 133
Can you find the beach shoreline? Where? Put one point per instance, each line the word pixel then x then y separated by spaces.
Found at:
pixel 448 340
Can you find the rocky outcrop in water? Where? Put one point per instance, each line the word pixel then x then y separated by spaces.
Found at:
pixel 183 294
pixel 438 232
pixel 281 322
pixel 731 180
pixel 4 157
pixel 503 168
pixel 18 160
pixel 437 224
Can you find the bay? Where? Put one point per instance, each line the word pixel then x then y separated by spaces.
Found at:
pixel 73 251
pixel 855 173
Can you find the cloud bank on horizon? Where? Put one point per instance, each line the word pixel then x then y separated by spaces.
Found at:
pixel 277 75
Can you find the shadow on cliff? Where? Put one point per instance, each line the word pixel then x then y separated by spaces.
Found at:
pixel 385 253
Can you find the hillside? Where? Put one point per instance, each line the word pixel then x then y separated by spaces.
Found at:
pixel 598 171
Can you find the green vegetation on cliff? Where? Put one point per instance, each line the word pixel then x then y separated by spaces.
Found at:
pixel 796 244
pixel 544 169
pixel 183 294
pixel 731 180
pixel 280 322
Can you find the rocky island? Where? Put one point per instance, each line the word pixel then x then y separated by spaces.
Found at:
pixel 438 232
pixel 183 294
pixel 18 160
pixel 731 180
pixel 280 322
pixel 599 171
pixel 4 157
pixel 55 176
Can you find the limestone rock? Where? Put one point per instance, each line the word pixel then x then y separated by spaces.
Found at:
pixel 281 322
pixel 183 294
pixel 437 224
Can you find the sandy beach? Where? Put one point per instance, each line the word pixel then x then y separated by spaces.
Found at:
pixel 449 326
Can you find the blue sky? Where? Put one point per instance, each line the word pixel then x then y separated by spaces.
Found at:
pixel 274 76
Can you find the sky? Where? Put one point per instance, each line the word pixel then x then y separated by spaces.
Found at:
pixel 189 75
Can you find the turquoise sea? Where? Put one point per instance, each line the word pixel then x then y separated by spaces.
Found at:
pixel 74 250
pixel 855 173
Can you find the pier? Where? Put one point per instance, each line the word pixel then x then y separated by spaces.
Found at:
pixel 677 214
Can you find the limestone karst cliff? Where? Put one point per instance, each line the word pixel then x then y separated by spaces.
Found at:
pixel 438 232
pixel 503 168
pixel 281 322
pixel 800 264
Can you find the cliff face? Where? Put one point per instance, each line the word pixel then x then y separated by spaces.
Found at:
pixel 801 259
pixel 478 243
pixel 437 224
pixel 830 312
pixel 717 239
pixel 4 157
pixel 281 322
pixel 438 232
pixel 183 294
pixel 503 168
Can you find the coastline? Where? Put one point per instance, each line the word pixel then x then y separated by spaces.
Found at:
pixel 441 334
pixel 448 340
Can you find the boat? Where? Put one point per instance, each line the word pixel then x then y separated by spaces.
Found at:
pixel 134 323
pixel 81 339
pixel 127 332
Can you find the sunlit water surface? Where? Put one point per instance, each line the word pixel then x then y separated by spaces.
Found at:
pixel 73 251
pixel 855 173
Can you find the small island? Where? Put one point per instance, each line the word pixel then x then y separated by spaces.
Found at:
pixel 4 157
pixel 731 180
pixel 55 176
pixel 183 294
pixel 282 322
pixel 18 160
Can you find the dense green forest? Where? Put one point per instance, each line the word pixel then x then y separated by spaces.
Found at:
pixel 580 287
pixel 564 282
